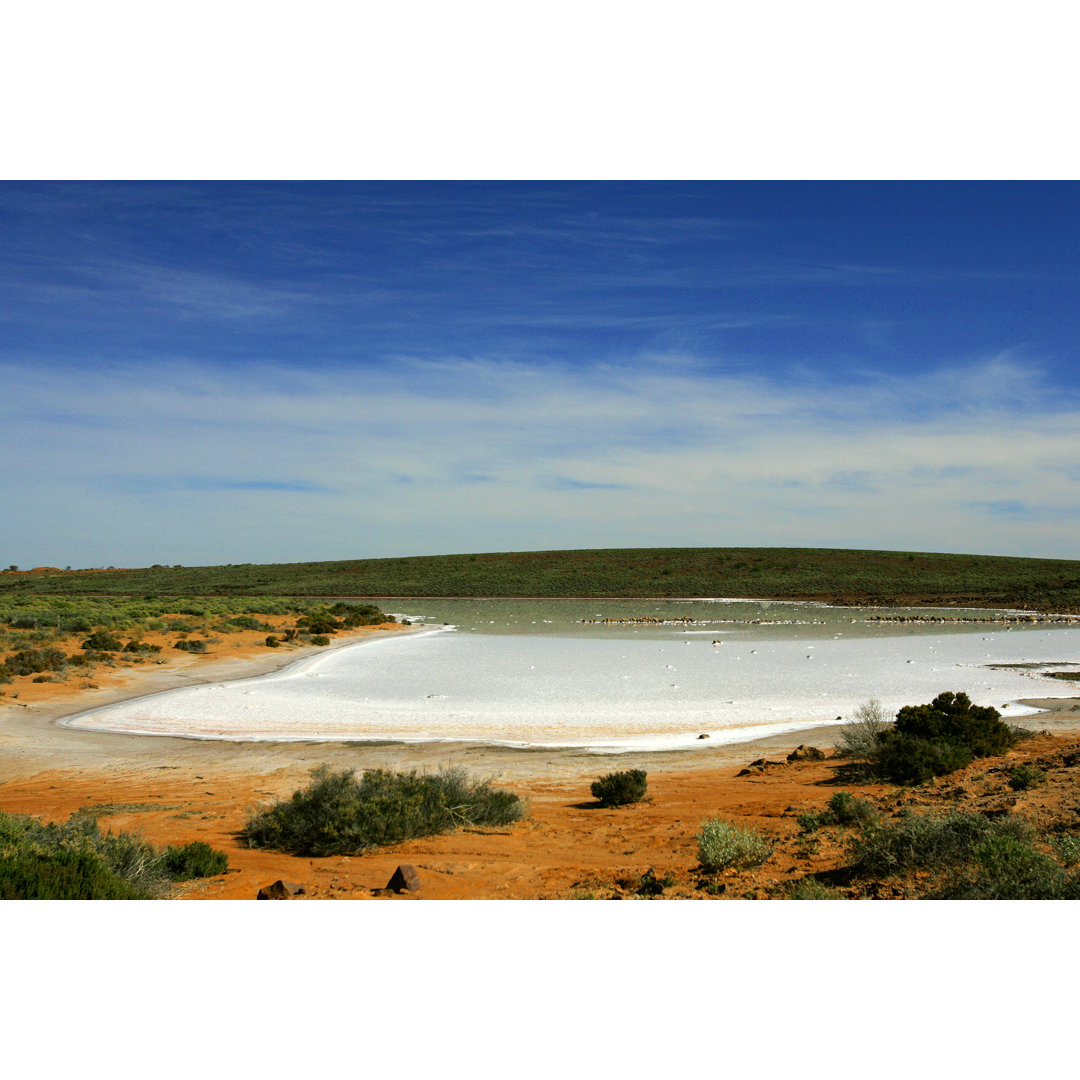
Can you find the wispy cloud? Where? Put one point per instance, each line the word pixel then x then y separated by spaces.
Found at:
pixel 1011 508
pixel 82 289
pixel 267 462
pixel 1019 510
pixel 566 483
pixel 165 484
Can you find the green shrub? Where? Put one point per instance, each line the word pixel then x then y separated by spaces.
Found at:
pixel 79 857
pixel 63 875
pixel 925 741
pixel 918 842
pixel 809 888
pixel 272 642
pixel 906 760
pixel 244 622
pixel 939 738
pixel 102 641
pixel 721 844
pixel 195 645
pixel 93 658
pixel 320 639
pixel 358 614
pixel 848 810
pixel 1024 776
pixel 337 814
pixel 76 861
pixel 141 647
pixel 843 809
pixel 33 662
pixel 812 820
pixel 194 860
pixel 1007 868
pixel 1066 848
pixel 951 718
pixel 620 788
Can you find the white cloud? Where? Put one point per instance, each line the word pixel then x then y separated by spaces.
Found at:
pixel 178 462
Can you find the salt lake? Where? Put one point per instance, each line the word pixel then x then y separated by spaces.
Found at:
pixel 612 676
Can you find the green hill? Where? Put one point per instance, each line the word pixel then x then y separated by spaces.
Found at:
pixel 867 577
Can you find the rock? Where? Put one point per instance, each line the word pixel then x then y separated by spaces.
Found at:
pixel 806 753
pixel 405 879
pixel 751 770
pixel 280 890
pixel 703 736
pixel 383 892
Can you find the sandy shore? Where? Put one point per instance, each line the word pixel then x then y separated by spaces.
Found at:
pixel 175 790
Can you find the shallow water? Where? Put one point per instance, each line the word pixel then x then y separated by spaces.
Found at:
pixel 532 673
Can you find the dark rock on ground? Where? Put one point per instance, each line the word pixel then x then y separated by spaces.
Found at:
pixel 280 890
pixel 405 879
pixel 756 768
pixel 806 753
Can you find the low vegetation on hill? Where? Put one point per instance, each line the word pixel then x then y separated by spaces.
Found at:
pixel 845 576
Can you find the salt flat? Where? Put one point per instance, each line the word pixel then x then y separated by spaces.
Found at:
pixel 540 681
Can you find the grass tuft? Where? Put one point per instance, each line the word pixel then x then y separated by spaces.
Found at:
pixel 721 844
pixel 843 809
pixel 1024 776
pixel 195 860
pixel 809 888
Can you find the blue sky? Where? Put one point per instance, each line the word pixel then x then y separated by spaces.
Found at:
pixel 251 372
